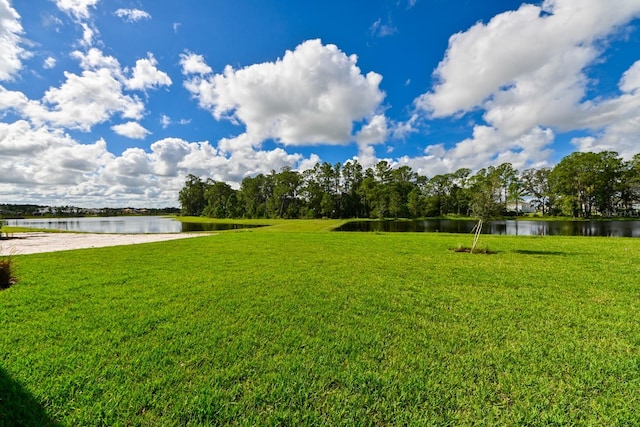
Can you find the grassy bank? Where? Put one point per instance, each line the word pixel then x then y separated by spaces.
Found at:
pixel 266 327
pixel 269 225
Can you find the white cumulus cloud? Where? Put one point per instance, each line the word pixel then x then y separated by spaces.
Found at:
pixel 131 130
pixel 374 132
pixel 40 162
pixel 40 155
pixel 86 100
pixel 44 165
pixel 630 81
pixel 313 95
pixel 527 71
pixel 194 64
pixel 94 59
pixel 147 76
pixel 94 96
pixel 487 146
pixel 508 55
pixel 11 51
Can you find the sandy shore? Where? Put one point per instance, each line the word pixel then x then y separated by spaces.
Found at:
pixel 31 243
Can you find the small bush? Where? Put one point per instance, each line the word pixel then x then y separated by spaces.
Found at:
pixel 6 273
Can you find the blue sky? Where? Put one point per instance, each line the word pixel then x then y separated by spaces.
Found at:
pixel 114 102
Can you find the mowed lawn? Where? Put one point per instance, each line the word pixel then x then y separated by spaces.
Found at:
pixel 265 327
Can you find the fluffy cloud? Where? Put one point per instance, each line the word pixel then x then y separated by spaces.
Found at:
pixel 131 130
pixel 630 81
pixel 94 59
pixel 618 119
pixel 12 100
pixel 39 164
pixel 505 57
pixel 528 71
pixel 167 153
pixel 130 169
pixel 89 33
pixel 194 64
pixel 94 96
pixel 44 165
pixel 147 76
pixel 86 100
pixel 487 146
pixel 79 9
pixel 45 156
pixel 374 132
pixel 132 15
pixel 18 139
pixel 49 63
pixel 313 95
pixel 81 102
pixel 11 52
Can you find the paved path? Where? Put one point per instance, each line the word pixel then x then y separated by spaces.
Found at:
pixel 31 243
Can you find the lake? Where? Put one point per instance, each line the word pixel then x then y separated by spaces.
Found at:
pixel 158 224
pixel 121 224
pixel 506 227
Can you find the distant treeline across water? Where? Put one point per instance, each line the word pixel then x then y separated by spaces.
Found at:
pixel 582 185
pixel 22 211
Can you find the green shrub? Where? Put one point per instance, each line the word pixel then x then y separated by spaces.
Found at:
pixel 6 273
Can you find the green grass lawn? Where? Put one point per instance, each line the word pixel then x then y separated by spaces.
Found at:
pixel 266 327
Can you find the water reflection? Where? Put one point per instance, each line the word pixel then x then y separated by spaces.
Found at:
pixel 122 224
pixel 504 227
pixel 203 226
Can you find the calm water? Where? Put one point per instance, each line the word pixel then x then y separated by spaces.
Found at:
pixel 156 224
pixel 508 227
pixel 120 224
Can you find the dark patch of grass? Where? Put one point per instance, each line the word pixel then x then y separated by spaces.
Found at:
pixel 18 407
pixel 527 252
pixel 465 249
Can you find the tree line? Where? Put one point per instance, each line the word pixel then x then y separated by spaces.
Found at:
pixel 28 210
pixel 581 185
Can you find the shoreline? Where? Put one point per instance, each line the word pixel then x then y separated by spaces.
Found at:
pixel 40 242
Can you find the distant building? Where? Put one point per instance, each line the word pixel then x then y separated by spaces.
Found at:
pixel 522 208
pixel 44 211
